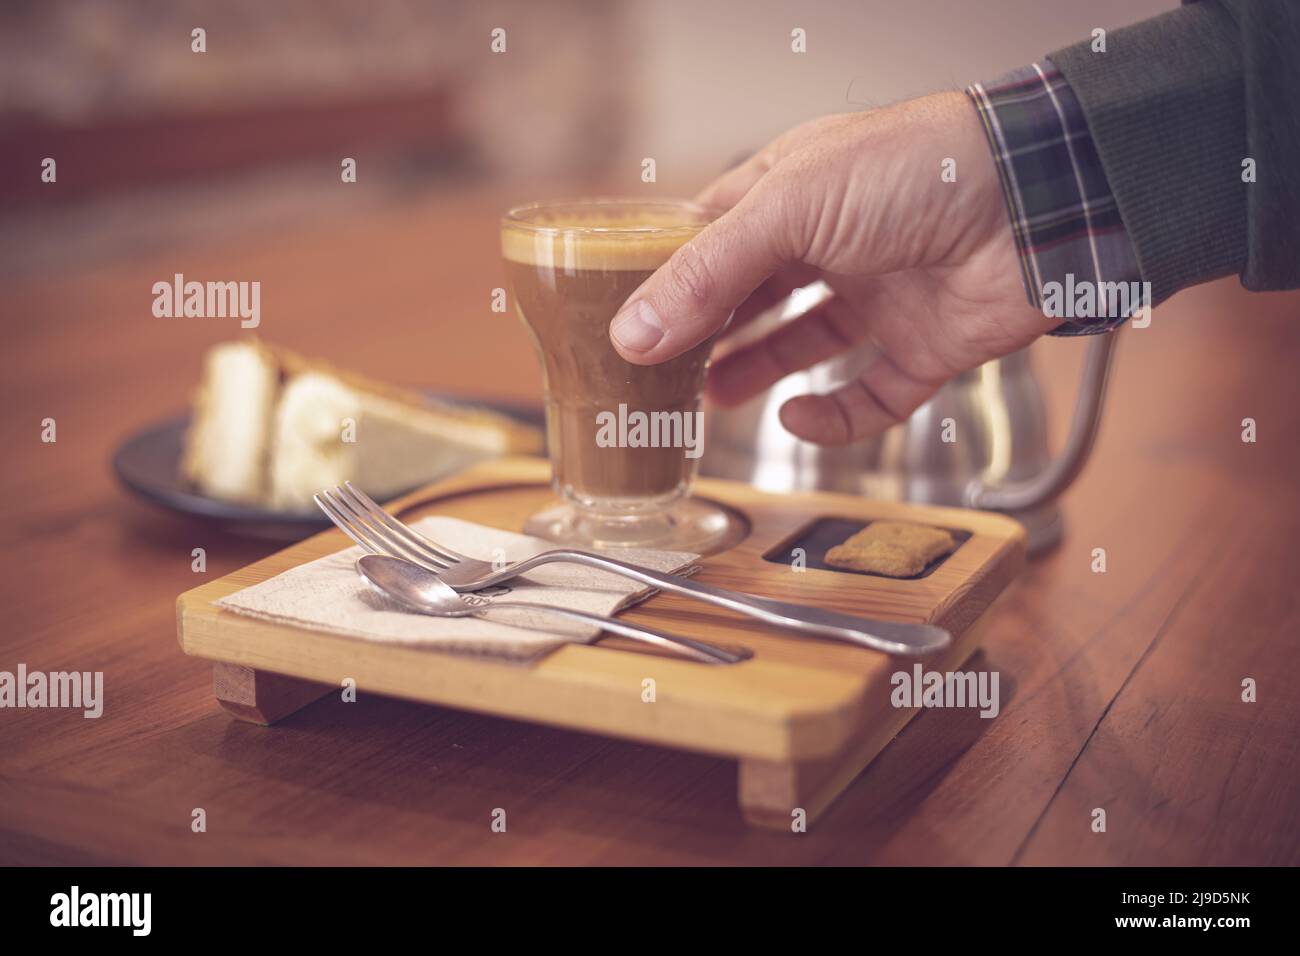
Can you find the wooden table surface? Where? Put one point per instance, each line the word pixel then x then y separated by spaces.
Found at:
pixel 1120 690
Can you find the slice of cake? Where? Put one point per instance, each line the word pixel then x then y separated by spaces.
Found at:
pixel 322 426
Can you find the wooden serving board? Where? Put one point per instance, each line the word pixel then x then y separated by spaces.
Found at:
pixel 803 716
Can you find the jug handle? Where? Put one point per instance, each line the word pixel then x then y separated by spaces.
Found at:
pixel 1032 492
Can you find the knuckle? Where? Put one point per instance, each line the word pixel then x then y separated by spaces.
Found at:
pixel 877 402
pixel 788 206
pixel 840 426
pixel 692 276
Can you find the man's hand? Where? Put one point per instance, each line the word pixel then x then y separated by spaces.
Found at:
pixel 926 269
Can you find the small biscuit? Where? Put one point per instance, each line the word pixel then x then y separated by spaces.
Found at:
pixel 893 548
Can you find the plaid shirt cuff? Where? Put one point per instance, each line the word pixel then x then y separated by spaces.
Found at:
pixel 1076 258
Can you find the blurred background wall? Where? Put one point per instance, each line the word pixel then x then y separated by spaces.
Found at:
pixel 157 143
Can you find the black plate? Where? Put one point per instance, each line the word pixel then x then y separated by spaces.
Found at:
pixel 148 464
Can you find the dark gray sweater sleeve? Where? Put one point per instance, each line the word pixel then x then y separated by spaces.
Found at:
pixel 1175 105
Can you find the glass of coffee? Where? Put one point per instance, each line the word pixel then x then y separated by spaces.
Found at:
pixel 624 440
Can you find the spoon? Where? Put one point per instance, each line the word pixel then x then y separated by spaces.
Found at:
pixel 420 590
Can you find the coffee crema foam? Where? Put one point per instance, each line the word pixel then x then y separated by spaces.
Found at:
pixel 590 238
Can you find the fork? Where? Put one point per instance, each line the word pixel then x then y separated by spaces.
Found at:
pixel 378 532
pixel 418 589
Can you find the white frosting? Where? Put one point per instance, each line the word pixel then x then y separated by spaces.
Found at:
pixel 231 432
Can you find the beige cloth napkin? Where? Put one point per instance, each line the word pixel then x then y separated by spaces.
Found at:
pixel 329 595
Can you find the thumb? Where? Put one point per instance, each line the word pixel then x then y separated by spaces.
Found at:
pixel 691 296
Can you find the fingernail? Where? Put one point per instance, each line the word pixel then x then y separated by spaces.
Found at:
pixel 637 328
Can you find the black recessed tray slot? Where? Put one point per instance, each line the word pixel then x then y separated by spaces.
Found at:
pixel 821 534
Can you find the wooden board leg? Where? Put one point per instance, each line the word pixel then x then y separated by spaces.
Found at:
pixel 261 697
pixel 771 792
